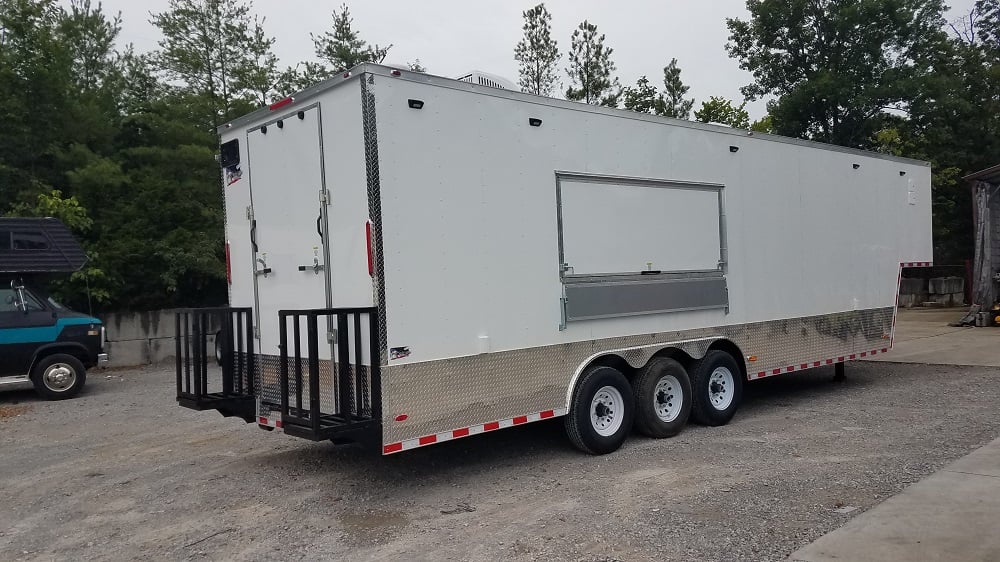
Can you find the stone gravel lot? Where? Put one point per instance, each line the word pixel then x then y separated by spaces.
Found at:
pixel 121 472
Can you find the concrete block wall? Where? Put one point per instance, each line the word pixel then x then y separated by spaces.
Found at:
pixel 140 338
pixel 936 291
pixel 143 338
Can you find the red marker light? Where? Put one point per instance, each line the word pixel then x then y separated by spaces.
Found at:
pixel 282 103
pixel 368 239
pixel 229 267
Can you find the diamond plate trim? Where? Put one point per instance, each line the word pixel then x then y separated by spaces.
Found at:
pixel 439 396
pixel 374 207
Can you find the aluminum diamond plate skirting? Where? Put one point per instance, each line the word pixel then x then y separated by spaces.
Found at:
pixel 439 396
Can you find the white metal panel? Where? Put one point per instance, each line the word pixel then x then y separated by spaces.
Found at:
pixel 471 242
pixel 286 183
pixel 346 179
pixel 236 193
pixel 664 227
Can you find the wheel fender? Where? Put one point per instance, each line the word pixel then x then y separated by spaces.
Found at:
pixel 638 356
pixel 70 348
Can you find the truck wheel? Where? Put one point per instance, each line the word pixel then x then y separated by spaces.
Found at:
pixel 218 348
pixel 662 397
pixel 601 411
pixel 717 387
pixel 58 376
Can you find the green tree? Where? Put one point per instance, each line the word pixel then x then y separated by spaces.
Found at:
pixel 590 68
pixel 722 111
pixel 215 50
pixel 643 97
pixel 416 66
pixel 835 66
pixel 537 53
pixel 36 86
pixel 674 104
pixel 343 48
pixel 763 125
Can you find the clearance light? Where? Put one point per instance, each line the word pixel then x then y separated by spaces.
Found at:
pixel 282 103
pixel 752 358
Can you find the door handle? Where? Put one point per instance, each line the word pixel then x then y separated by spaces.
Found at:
pixel 253 235
pixel 319 229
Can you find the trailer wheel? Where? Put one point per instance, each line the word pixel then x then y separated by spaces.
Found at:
pixel 717 386
pixel 58 376
pixel 662 397
pixel 601 411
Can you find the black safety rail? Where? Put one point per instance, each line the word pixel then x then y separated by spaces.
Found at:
pixel 336 398
pixel 218 376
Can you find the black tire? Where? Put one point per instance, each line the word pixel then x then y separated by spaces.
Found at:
pixel 657 412
pixel 582 432
pixel 703 388
pixel 58 376
pixel 218 348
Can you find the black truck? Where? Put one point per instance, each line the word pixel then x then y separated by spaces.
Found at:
pixel 43 343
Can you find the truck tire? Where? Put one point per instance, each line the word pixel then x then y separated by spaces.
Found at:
pixel 717 388
pixel 58 376
pixel 662 398
pixel 601 411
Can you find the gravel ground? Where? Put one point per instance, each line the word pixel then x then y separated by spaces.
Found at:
pixel 121 472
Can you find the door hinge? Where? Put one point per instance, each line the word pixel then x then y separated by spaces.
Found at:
pixel 256 332
pixel 249 213
pixel 324 197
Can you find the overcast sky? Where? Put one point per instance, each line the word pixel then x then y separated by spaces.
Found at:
pixel 452 37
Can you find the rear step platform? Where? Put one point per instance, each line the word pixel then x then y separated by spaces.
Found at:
pixel 216 361
pixel 336 398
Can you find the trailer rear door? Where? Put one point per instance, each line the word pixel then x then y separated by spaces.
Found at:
pixel 288 219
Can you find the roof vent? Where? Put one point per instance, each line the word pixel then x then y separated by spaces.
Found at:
pixel 486 79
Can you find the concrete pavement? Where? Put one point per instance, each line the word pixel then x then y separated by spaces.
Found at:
pixel 924 336
pixel 954 514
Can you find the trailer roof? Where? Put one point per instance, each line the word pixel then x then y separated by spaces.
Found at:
pixel 38 245
pixel 989 175
pixel 357 73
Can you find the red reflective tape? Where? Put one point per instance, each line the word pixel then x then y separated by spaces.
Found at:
pixel 281 103
pixel 816 363
pixel 864 354
pixel 829 361
pixel 840 360
pixel 789 369
pixel 761 374
pixel 428 439
pixel 463 432
pixel 392 448
pixel 520 419
pixel 262 420
pixel 776 372
pixel 885 350
pixel 491 426
pixel 853 356
pixel 547 414
pixel 279 424
pixel 804 366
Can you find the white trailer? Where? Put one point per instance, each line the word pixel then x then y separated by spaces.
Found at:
pixel 416 259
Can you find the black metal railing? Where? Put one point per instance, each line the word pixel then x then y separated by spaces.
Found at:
pixel 329 398
pixel 216 360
